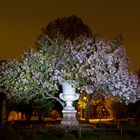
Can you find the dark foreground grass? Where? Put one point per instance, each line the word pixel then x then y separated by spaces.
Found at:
pixel 48 131
pixel 59 133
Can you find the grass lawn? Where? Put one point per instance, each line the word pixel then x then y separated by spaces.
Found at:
pixel 23 130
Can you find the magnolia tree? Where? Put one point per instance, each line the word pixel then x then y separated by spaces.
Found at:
pixel 94 63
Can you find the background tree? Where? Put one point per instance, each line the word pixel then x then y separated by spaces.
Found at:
pixel 138 71
pixel 117 109
pixel 65 28
pixel 42 108
pixel 137 105
pixel 131 110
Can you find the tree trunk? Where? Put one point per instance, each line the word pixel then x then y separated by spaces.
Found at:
pixel 28 116
pixel 22 116
pixel 1 105
pixel 40 117
pixel 87 112
pixel 2 112
pixel 87 108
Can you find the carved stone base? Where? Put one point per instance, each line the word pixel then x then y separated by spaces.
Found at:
pixel 69 117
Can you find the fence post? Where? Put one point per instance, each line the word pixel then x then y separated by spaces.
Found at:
pixel 79 131
pixel 121 133
pixel 34 131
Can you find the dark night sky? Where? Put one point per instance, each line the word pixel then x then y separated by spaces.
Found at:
pixel 21 22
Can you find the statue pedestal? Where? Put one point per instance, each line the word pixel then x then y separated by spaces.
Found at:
pixel 69 117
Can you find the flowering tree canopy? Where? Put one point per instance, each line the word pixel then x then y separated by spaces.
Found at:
pixel 29 80
pixel 95 63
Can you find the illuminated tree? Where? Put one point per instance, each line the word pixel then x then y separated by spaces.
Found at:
pixel 97 65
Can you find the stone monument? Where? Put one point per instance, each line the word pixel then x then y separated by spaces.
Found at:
pixel 69 95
